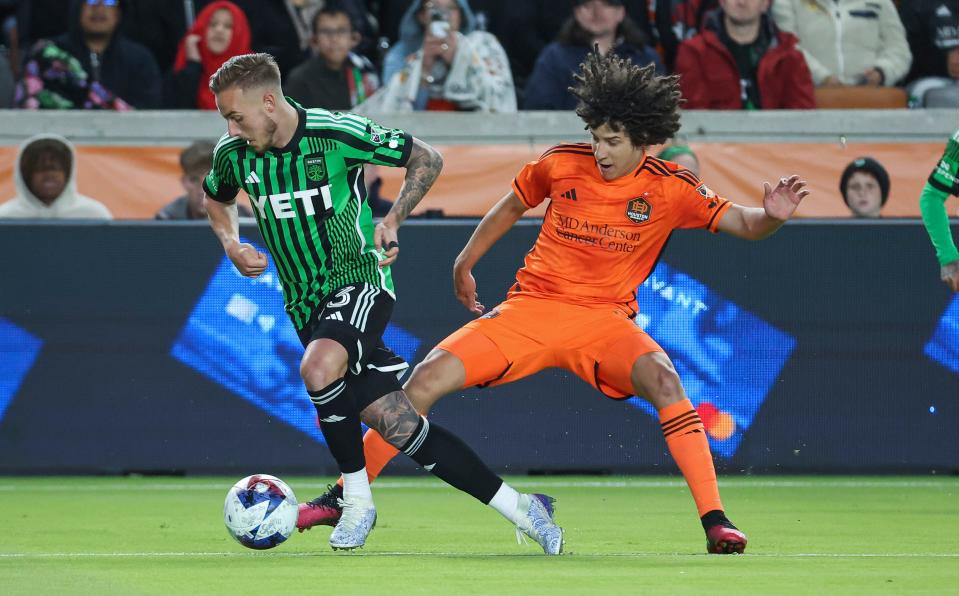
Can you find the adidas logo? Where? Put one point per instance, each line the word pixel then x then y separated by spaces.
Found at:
pixel 943 11
pixel 333 418
pixel 569 194
pixel 335 316
pixel 252 178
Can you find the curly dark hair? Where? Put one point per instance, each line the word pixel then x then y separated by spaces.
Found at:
pixel 614 91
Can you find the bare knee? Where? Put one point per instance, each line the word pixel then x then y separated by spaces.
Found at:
pixel 655 379
pixel 323 362
pixel 440 373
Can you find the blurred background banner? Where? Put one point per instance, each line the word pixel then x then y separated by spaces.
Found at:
pixel 135 347
pixel 135 182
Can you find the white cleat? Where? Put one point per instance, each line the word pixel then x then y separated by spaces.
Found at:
pixel 539 525
pixel 356 522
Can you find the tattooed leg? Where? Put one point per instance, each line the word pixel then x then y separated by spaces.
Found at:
pixel 431 446
pixel 393 417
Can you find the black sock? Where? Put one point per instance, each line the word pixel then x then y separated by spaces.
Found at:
pixel 451 460
pixel 340 424
pixel 716 517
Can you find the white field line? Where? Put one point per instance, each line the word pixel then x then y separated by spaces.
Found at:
pixel 140 484
pixel 467 555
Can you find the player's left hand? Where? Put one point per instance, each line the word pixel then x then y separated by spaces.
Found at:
pixel 950 274
pixel 385 240
pixel 781 202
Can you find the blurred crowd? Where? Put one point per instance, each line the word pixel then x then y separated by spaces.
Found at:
pixel 479 55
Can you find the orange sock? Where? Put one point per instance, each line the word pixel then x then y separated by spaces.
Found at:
pixel 378 453
pixel 689 447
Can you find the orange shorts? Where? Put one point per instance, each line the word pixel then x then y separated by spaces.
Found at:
pixel 523 335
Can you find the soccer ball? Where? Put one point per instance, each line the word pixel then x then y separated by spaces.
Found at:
pixel 260 511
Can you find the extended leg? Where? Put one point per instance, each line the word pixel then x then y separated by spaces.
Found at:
pixel 655 378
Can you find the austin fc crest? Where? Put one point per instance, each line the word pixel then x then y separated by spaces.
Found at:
pixel 315 168
pixel 639 210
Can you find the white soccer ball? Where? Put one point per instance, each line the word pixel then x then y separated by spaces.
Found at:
pixel 260 511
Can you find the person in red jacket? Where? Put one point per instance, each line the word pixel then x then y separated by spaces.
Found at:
pixel 742 61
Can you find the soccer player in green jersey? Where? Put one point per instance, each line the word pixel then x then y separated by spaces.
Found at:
pixel 943 181
pixel 303 171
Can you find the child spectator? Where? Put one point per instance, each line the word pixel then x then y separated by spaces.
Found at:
pixel 195 162
pixel 220 32
pixel 865 187
pixel 334 78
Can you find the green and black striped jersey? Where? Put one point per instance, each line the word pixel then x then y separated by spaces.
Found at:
pixel 309 199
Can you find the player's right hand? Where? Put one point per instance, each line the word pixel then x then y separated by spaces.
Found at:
pixel 464 286
pixel 247 260
pixel 950 274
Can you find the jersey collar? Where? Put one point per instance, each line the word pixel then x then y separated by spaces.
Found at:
pixel 294 143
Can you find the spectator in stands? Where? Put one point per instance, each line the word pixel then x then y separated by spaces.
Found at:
pixel 282 27
pixel 441 62
pixel 195 161
pixel 594 22
pixel 334 78
pixel 220 32
pixel 865 187
pixel 525 28
pixel 93 66
pixel 932 28
pixel 741 61
pixel 847 42
pixel 45 179
pixel 681 155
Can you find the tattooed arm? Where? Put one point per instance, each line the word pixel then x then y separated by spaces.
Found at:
pixel 422 169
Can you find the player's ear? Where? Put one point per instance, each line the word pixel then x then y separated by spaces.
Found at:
pixel 269 100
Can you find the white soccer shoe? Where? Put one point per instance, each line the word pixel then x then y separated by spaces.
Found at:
pixel 356 522
pixel 539 525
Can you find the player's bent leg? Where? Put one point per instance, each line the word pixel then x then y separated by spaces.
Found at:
pixel 450 459
pixel 323 369
pixel 440 373
pixel 654 377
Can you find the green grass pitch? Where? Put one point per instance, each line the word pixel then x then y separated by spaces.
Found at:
pixel 624 535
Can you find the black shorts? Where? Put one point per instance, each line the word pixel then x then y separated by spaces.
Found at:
pixel 355 316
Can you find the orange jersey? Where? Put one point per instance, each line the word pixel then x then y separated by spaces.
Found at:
pixel 601 239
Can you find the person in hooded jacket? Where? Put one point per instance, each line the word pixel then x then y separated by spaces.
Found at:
pixel 122 66
pixel 220 31
pixel 45 179
pixel 442 62
pixel 742 61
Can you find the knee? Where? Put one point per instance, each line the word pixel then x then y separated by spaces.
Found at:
pixel 658 382
pixel 429 381
pixel 319 368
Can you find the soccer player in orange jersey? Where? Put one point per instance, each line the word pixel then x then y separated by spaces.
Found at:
pixel 613 206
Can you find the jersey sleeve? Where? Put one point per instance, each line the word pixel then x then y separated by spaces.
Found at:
pixel 945 177
pixel 220 183
pixel 532 185
pixel 363 140
pixel 696 205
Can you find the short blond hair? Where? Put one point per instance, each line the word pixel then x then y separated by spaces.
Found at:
pixel 246 71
